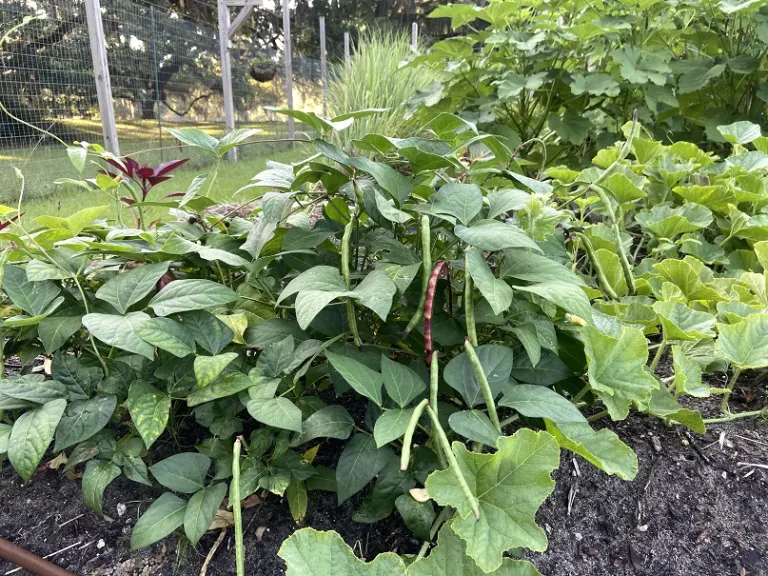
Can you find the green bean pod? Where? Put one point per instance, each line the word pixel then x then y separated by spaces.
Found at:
pixel 426 267
pixel 405 457
pixel 484 386
pixel 601 277
pixel 237 512
pixel 469 301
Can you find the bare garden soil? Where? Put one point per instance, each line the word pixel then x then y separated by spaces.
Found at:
pixel 695 509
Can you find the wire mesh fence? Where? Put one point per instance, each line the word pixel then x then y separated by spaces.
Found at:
pixel 165 72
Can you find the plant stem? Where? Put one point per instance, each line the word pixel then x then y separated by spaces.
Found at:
pixel 405 457
pixel 445 513
pixel 490 404
pixel 623 259
pixel 508 421
pixel 659 353
pixel 597 416
pixel 351 319
pixel 583 392
pixel 237 513
pixel 727 394
pixel 731 417
pixel 429 306
pixel 602 278
pixel 453 464
pixel 426 267
pixel 469 302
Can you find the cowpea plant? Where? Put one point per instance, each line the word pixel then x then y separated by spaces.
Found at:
pixel 419 303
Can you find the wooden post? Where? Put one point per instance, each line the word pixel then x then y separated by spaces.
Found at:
pixel 323 66
pixel 288 64
pixel 347 53
pixel 414 36
pixel 226 74
pixel 101 73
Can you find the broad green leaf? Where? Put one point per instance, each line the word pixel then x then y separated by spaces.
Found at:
pixel 622 188
pixel 402 384
pixel 185 472
pixel 161 518
pixel 664 405
pixel 375 292
pixel 320 278
pixel 364 380
pixel 449 558
pixel 129 287
pixel 276 358
pixel 504 201
pixel 745 344
pixel 78 157
pixel 83 419
pixel 667 222
pixel 208 368
pixel 80 380
pixel 417 516
pixel 716 198
pixel 531 267
pixel 497 365
pixel 567 296
pixel 296 494
pixel 167 335
pixel 742 132
pixel 492 235
pixel 185 295
pixel 33 388
pixel 683 275
pixel 328 422
pixel 54 332
pixel 398 185
pixel 474 425
pixel 135 469
pixel 526 334
pixel 98 475
pixel 496 292
pixel 617 369
pixel 536 186
pixel 5 434
pixel 391 425
pixel 209 332
pixel 684 324
pixel 309 303
pixel 226 385
pixel 462 201
pixel 509 485
pixel 32 434
pixel 198 139
pixel 34 298
pixel 688 375
pixel 308 552
pixel 358 464
pixel 276 412
pixel 75 223
pixel 571 126
pixel 391 483
pixel 149 409
pixel 120 331
pixel 201 511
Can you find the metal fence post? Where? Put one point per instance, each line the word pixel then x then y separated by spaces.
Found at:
pixel 226 74
pixel 101 73
pixel 347 54
pixel 414 36
pixel 323 66
pixel 157 80
pixel 288 64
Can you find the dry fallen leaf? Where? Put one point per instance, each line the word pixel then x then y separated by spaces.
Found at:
pixel 57 462
pixel 223 519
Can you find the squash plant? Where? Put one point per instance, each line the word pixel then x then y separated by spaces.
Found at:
pixel 419 303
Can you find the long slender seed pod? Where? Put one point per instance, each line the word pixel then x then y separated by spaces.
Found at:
pixel 237 513
pixel 602 278
pixel 469 302
pixel 405 457
pixel 484 386
pixel 426 267
pixel 351 319
pixel 434 377
pixel 429 306
pixel 453 464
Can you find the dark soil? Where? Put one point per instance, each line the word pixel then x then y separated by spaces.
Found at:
pixel 694 509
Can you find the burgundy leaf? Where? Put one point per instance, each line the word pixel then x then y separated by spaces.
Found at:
pixel 167 167
pixel 128 201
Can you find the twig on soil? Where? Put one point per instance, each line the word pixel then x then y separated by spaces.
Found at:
pixel 219 540
pixel 752 465
pixel 572 496
pixel 51 555
pixel 71 520
pixel 751 440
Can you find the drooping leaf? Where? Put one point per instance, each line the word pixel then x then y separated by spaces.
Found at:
pixel 358 464
pixel 55 331
pixel 497 365
pixel 98 475
pixel 209 332
pixel 161 518
pixel 184 472
pixel 492 235
pixel 664 405
pixel 745 343
pixel 742 132
pixel 688 375
pixel 186 295
pixel 391 425
pixel 402 384
pixel 364 380
pixel 226 385
pixel 329 422
pixel 32 434
pixel 201 511
pixel 474 425
pixel 375 292
pixel 34 298
pixel 120 331
pixel 129 287
pixel 509 485
pixel 167 335
pixel 417 516
pixel 149 409
pixel 567 296
pixel 496 292
pixel 83 419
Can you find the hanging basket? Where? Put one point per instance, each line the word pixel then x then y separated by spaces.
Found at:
pixel 263 70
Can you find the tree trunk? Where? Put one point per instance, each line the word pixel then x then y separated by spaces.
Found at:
pixel 148 110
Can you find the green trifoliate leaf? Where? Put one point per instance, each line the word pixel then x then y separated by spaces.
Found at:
pixel 449 558
pixel 98 475
pixel 54 332
pixel 83 419
pixel 742 132
pixel 461 201
pixel 312 553
pixel 208 368
pixel 688 375
pixel 570 428
pixel 201 511
pixel 129 287
pixel 497 362
pixel 167 335
pixel 328 422
pixel 375 292
pixel 617 371
pixel 161 518
pixel 209 332
pixel 402 384
pixel 496 292
pixel 474 425
pixel 364 380
pixel 185 295
pixel 492 235
pixel 509 485
pixel 149 409
pixel 183 472
pixel 745 344
pixel 32 434
pixel 391 425
pixel 684 324
pixel 225 385
pixel 359 463
pixel 120 332
pixel 567 296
